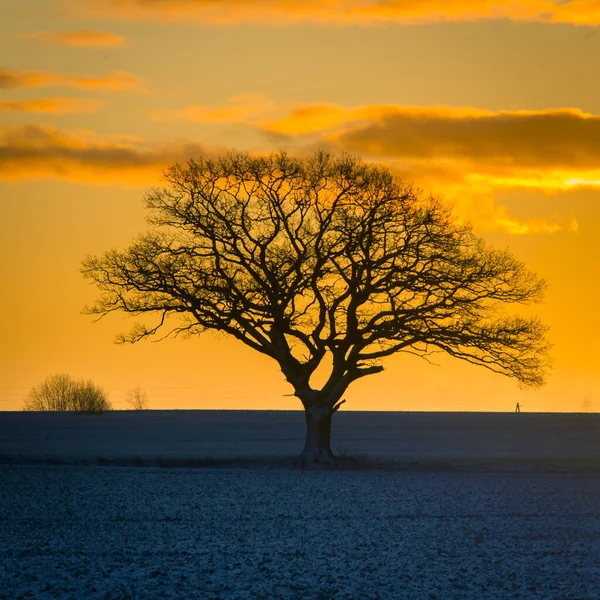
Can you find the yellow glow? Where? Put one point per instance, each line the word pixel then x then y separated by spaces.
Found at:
pixel 581 182
pixel 542 180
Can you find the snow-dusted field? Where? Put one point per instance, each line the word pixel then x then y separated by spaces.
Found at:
pixel 466 506
pixel 110 532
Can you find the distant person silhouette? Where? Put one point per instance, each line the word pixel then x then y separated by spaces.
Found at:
pixel 518 409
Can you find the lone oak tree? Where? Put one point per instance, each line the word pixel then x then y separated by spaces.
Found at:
pixel 321 260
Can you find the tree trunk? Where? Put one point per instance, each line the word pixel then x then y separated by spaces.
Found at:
pixel 317 448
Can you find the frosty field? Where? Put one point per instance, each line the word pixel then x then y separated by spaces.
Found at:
pixel 486 507
pixel 97 532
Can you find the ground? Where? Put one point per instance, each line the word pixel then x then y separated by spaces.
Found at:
pixel 227 533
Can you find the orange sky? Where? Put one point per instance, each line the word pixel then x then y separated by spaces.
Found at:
pixel 495 105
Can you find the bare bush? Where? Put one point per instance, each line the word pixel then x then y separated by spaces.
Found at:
pixel 137 398
pixel 61 393
pixel 88 397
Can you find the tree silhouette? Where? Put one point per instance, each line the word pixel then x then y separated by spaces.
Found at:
pixel 137 398
pixel 61 393
pixel 321 260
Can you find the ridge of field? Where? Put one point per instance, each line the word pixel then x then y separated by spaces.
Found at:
pixel 409 438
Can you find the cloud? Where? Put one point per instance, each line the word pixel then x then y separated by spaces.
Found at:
pixel 54 106
pixel 545 149
pixel 341 12
pixel 478 204
pixel 551 138
pixel 466 154
pixel 468 169
pixel 312 118
pixel 513 226
pixel 238 109
pixel 80 38
pixel 34 152
pixel 119 80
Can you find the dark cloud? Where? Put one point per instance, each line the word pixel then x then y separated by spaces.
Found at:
pixel 559 138
pixel 33 151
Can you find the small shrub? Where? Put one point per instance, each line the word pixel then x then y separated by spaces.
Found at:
pixel 88 397
pixel 137 398
pixel 61 393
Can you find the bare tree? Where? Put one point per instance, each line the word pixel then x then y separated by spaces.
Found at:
pixel 61 393
pixel 54 394
pixel 315 261
pixel 88 397
pixel 137 398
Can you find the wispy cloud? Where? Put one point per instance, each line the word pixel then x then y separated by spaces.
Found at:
pixel 238 109
pixel 79 38
pixel 481 207
pixel 342 12
pixel 119 80
pixel 54 106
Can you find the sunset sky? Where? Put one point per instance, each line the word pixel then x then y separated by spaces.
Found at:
pixel 494 105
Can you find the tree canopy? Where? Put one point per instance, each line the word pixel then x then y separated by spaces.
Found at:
pixel 318 259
